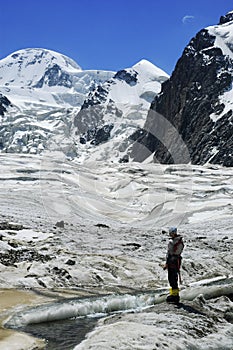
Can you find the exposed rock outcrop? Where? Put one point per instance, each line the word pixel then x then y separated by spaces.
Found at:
pixel 193 105
pixel 4 103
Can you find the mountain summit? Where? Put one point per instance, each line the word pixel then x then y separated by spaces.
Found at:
pixel 115 109
pixel 48 99
pixel 40 77
pixel 191 120
pixel 137 113
pixel 33 67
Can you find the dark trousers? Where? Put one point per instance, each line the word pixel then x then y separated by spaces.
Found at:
pixel 173 277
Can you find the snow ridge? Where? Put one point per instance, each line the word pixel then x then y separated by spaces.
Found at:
pixel 48 90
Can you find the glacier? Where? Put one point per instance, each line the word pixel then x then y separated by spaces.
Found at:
pixel 48 92
pixel 87 241
pixel 83 236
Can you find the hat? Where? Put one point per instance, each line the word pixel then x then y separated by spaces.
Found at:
pixel 172 230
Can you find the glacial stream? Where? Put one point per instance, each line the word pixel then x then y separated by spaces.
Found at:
pixel 65 323
pixel 61 335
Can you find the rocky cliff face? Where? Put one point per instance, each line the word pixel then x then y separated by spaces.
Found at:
pixel 4 103
pixel 115 109
pixel 191 119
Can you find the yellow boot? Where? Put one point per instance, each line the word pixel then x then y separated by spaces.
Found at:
pixel 174 296
pixel 175 292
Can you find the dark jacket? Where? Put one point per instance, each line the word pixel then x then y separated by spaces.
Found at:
pixel 174 250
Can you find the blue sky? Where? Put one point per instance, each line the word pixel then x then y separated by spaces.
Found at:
pixel 108 34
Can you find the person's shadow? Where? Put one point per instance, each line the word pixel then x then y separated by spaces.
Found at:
pixel 189 309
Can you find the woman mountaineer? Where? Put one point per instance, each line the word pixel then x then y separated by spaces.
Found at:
pixel 173 263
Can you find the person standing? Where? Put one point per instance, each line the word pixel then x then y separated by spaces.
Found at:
pixel 173 262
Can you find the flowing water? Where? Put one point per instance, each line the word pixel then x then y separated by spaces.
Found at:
pixel 65 323
pixel 61 335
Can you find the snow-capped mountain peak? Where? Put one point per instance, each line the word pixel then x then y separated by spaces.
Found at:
pixel 41 77
pixel 116 109
pixel 48 90
pixel 149 69
pixel 198 101
pixel 223 34
pixel 227 18
pixel 29 66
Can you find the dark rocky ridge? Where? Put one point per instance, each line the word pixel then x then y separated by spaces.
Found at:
pixel 4 103
pixel 187 99
pixel 129 77
pixel 89 122
pixel 54 76
pixel 227 18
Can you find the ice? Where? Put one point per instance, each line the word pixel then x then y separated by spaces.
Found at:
pixel 110 248
pixel 155 331
pixel 34 63
pixel 109 304
pixel 82 307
